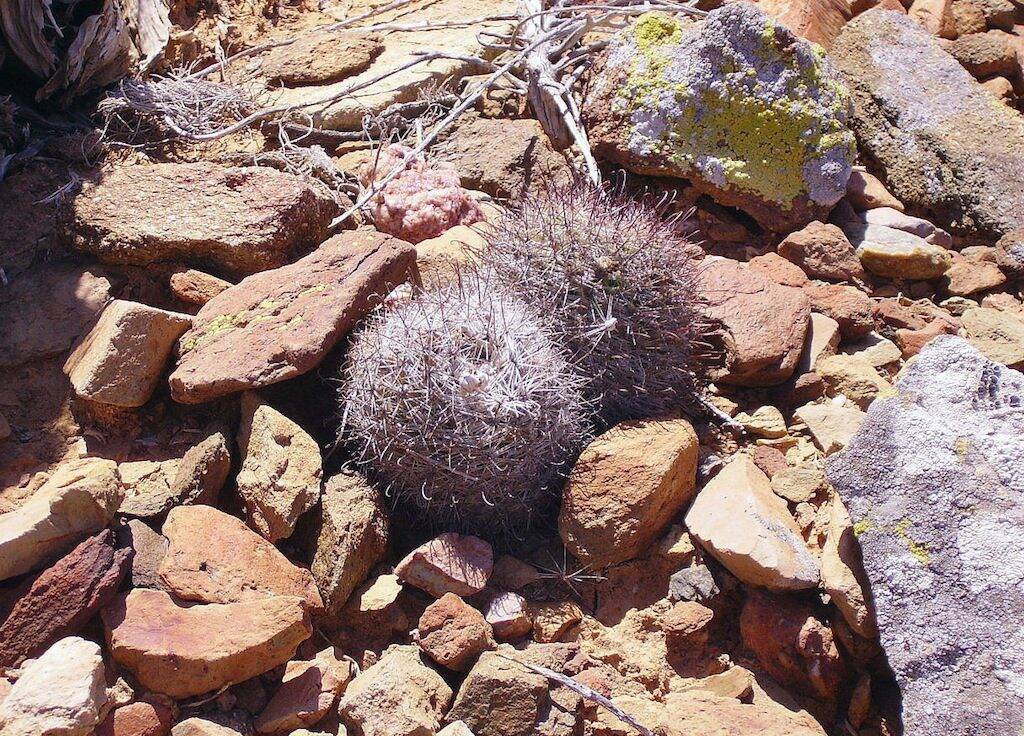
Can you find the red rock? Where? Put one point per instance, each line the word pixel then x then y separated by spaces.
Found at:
pixel 213 557
pixel 778 269
pixel 196 287
pixel 138 719
pixel 769 459
pixel 966 277
pixel 307 692
pixel 184 651
pixel 823 252
pixel 453 633
pixel 687 624
pixel 764 323
pixel 281 323
pixel 866 192
pixel 450 563
pixel 911 342
pixel 847 305
pixel 63 598
pixel 816 20
pixel 795 648
pixel 508 617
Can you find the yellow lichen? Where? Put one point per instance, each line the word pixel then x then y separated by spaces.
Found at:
pixel 862 527
pixel 917 549
pixel 654 29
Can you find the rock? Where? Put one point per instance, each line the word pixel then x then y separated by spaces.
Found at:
pixel 398 696
pixel 281 323
pixel 899 220
pixel 453 633
pixel 79 499
pixel 766 421
pixel 500 157
pixel 865 192
pixel 945 148
pixel 934 16
pixel 500 698
pixel 458 728
pixel 822 341
pixel 892 253
pixel 799 484
pixel 745 526
pixel 60 694
pixel 1001 88
pixel 141 718
pixel 710 102
pixel 998 13
pixel 308 691
pixel 770 460
pixel 202 727
pixel 1010 252
pixel 998 335
pixel 823 252
pixel 350 537
pixel 184 651
pixel 440 260
pixel 876 350
pixel 213 557
pixel 202 471
pixel 966 277
pixel 942 538
pixel 74 296
pixel 320 58
pixel 912 341
pixel 842 573
pixel 764 324
pixel 818 21
pixel 794 647
pixel 375 607
pixel 281 469
pixel 63 598
pixel 148 550
pixel 551 620
pixel 240 220
pixel 852 377
pixel 196 287
pixel 147 487
pixel 625 489
pixel 830 425
pixel 449 563
pixel 848 305
pixel 693 584
pixel 776 268
pixel 120 361
pixel 986 54
pixel 508 617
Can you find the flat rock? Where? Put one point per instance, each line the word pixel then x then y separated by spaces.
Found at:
pixel 320 58
pixel 63 598
pixel 507 614
pixel 746 527
pixel 831 425
pixel 281 469
pixel 240 220
pixel 714 102
pixel 852 377
pixel 942 537
pixel 946 149
pixel 213 557
pixel 893 253
pixel 818 21
pixel 764 323
pixel 65 298
pixel 196 287
pixel 449 563
pixel 847 305
pixel 120 361
pixel 281 323
pixel 453 633
pixel 625 489
pixel 500 698
pixel 183 651
pixel 842 572
pixel 148 550
pixel 61 693
pixel 867 192
pixel 998 335
pixel 78 499
pixel 350 536
pixel 308 690
pixel 823 252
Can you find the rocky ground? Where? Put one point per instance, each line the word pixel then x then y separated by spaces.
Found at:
pixel 187 548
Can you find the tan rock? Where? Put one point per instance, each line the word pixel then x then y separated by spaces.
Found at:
pixel 78 499
pixel 449 563
pixel 202 727
pixel 552 620
pixel 202 471
pixel 935 16
pixel 458 728
pixel 281 469
pixel 120 361
pixel 823 252
pixel 507 614
pixel 765 421
pixel 196 287
pixel 738 519
pixel 876 350
pixel 886 251
pixel 822 341
pixel 831 426
pixel 842 572
pixel 998 335
pixel 453 633
pixel 500 698
pixel 866 192
pixel 800 484
pixel 374 607
pixel 147 486
pixel 308 690
pixel 625 489
pixel 183 651
pixel 853 377
pixel 440 260
pixel 320 58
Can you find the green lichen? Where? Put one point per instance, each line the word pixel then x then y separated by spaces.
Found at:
pixel 655 29
pixel 917 549
pixel 862 527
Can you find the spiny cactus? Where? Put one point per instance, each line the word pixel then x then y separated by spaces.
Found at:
pixel 617 281
pixel 460 402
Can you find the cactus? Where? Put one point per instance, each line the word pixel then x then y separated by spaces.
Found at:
pixel 459 402
pixel 618 282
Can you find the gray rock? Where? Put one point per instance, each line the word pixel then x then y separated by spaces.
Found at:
pixel 948 149
pixel 934 480
pixel 692 584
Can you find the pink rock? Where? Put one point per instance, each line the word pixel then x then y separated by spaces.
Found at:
pixel 307 692
pixel 508 617
pixel 847 305
pixel 451 563
pixel 138 719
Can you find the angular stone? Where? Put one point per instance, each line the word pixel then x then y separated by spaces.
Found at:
pixel 818 21
pixel 967 277
pixel 847 305
pixel 147 487
pixel 500 698
pixel 141 718
pixel 799 484
pixel 196 287
pixel 674 98
pixel 746 527
pixel 876 350
pixel 449 563
pixel 148 550
pixel 852 377
pixel 375 607
pixel 625 489
pixel 945 148
pixel 202 727
pixel 892 253
pixel 62 693
pixel 120 361
pixel 776 268
pixel 693 584
pixel 62 599
pixel 822 341
pixel 398 696
pixel 281 469
pixel 943 537
pixel 350 537
pixel 243 219
pixel 830 425
pixel 551 620
pixel 202 471
pixel 823 252
pixel 213 557
pixel 508 617
pixel 764 323
pixel 765 421
pixel 308 690
pixel 934 16
pixel 453 633
pixel 986 54
pixel 440 260
pixel 1010 252
pixel 79 499
pixel 281 323
pixel 998 335
pixel 184 651
pixel 842 573
pixel 320 58
pixel 866 192
pixel 458 728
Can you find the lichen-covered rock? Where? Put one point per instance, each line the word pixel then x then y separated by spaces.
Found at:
pixel 941 526
pixel 738 105
pixel 947 146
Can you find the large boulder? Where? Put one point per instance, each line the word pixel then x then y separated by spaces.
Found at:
pixel 241 220
pixel 948 149
pixel 737 104
pixel 934 480
pixel 281 323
